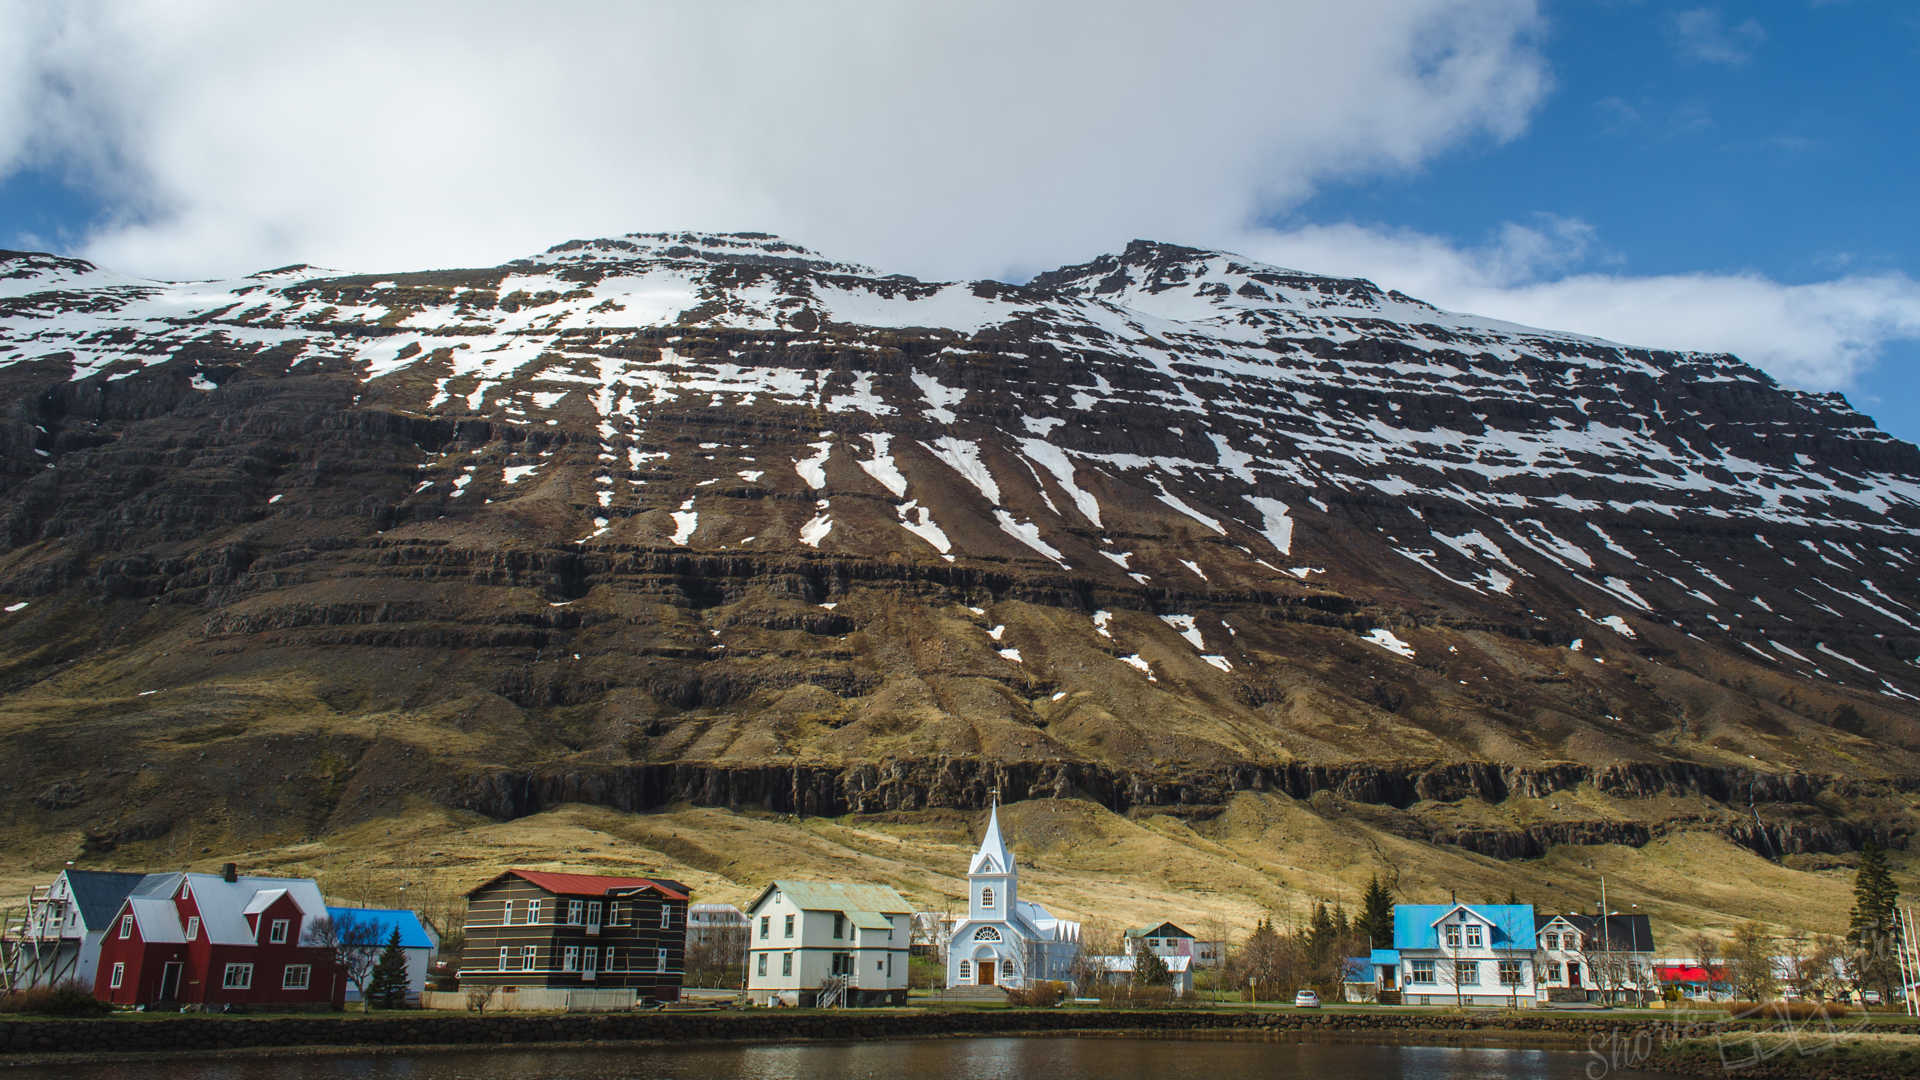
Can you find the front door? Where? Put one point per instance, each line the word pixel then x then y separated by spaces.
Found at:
pixel 170 982
pixel 1573 976
pixel 986 972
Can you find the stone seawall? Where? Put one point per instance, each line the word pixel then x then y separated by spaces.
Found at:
pixel 202 1033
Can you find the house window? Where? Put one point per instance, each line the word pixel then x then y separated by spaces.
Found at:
pixel 529 959
pixel 237 977
pixel 986 933
pixel 761 967
pixel 766 926
pixel 889 966
pixel 506 914
pixel 1473 937
pixel 1559 972
pixel 789 926
pixel 593 913
pixel 296 976
pixel 660 960
pixel 590 960
pixel 1453 937
pixel 533 911
pixel 506 958
pixel 1467 972
pixel 193 928
pixel 572 959
pixel 1422 972
pixel 277 932
pixel 576 912
pixel 839 924
pixel 842 963
pixel 966 971
pixel 126 927
pixel 986 897
pixel 1549 941
pixel 666 916
pixel 1509 973
pixel 786 963
pixel 119 975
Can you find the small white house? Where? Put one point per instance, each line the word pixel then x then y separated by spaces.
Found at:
pixel 710 924
pixel 417 942
pixel 58 939
pixel 1118 970
pixel 1481 954
pixel 809 942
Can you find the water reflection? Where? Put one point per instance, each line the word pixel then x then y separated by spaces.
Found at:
pixel 964 1059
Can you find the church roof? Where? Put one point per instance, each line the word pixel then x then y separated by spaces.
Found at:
pixel 993 856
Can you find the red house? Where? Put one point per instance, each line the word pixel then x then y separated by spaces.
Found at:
pixel 221 939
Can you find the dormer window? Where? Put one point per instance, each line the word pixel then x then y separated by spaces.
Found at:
pixel 986 897
pixel 277 932
pixel 1453 937
pixel 1473 936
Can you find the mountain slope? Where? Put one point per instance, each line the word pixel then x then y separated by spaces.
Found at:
pixel 713 518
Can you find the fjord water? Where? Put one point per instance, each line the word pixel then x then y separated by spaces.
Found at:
pixel 965 1059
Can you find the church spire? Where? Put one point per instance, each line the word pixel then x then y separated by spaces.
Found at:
pixel 993 856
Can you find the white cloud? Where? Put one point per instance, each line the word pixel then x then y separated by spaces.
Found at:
pixel 964 139
pixel 1705 34
pixel 1817 336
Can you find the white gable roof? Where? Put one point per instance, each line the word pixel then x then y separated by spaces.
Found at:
pixel 158 919
pixel 224 905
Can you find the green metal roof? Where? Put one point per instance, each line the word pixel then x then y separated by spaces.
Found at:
pixel 866 905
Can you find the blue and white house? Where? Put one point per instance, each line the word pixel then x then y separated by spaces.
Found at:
pixel 1466 954
pixel 1004 940
pixel 417 942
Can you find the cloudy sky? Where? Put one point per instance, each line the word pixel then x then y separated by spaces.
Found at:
pixel 1734 175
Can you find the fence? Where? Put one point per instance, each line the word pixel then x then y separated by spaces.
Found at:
pixel 533 999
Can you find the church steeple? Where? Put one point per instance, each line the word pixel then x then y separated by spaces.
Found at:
pixel 992 879
pixel 993 856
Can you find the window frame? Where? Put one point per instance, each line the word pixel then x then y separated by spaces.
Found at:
pixel 570 958
pixel 986 896
pixel 126 926
pixel 1513 966
pixel 576 913
pixel 277 930
pixel 506 954
pixel 530 958
pixel 119 976
pixel 533 912
pixel 244 969
pixel 766 927
pixel 788 928
pixel 1463 968
pixel 1475 936
pixel 786 963
pixel 660 960
pixel 306 977
pixel 1421 972
pixel 193 928
pixel 1453 935
pixel 506 912
pixel 762 968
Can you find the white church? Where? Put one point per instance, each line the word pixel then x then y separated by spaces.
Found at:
pixel 1004 940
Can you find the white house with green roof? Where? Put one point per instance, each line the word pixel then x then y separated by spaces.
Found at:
pixel 804 937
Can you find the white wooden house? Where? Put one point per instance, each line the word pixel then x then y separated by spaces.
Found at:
pixel 1479 954
pixel 813 943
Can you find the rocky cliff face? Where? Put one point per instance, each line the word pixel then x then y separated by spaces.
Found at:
pixel 712 517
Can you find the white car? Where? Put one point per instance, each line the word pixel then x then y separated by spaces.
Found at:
pixel 1306 999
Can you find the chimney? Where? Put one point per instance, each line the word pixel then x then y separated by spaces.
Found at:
pixel 230 872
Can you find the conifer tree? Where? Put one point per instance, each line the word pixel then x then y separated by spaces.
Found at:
pixel 388 987
pixel 1376 915
pixel 1149 969
pixel 1871 930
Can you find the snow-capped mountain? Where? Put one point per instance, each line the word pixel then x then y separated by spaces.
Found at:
pixel 700 498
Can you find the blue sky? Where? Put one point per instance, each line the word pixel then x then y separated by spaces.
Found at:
pixel 1779 138
pixel 1729 176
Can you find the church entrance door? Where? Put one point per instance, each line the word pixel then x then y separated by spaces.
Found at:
pixel 986 972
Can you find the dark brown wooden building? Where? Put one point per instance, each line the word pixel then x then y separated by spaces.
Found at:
pixel 530 928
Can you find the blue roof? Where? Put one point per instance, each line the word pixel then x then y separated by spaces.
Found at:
pixel 1384 958
pixel 412 934
pixel 1413 924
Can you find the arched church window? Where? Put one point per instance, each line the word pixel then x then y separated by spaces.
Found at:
pixel 966 971
pixel 986 897
pixel 986 933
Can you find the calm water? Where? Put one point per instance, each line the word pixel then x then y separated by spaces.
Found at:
pixel 966 1059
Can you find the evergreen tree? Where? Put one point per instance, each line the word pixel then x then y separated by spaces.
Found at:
pixel 387 989
pixel 1149 969
pixel 1342 927
pixel 1320 939
pixel 1376 915
pixel 1513 897
pixel 1871 931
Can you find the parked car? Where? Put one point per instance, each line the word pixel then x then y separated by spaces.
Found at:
pixel 1306 999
